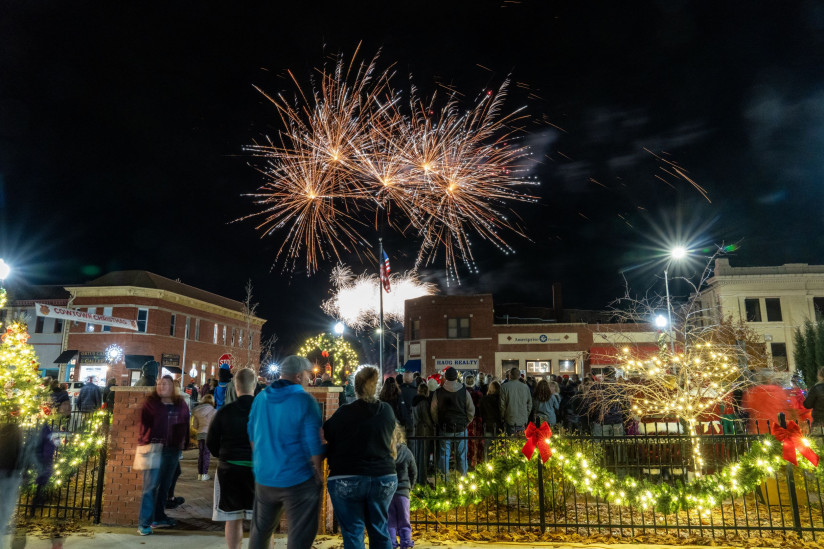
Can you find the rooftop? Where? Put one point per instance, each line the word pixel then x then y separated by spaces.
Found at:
pixel 145 279
pixel 723 268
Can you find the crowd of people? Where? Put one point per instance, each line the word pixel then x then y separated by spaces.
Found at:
pixel 386 436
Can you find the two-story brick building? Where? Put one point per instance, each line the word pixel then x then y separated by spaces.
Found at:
pixel 462 331
pixel 182 327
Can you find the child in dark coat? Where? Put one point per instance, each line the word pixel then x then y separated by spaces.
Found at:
pixel 399 523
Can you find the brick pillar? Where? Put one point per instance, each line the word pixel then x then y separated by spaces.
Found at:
pixel 122 486
pixel 328 397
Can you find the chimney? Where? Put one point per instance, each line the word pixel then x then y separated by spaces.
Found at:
pixel 557 302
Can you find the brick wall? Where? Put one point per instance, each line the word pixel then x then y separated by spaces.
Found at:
pixel 122 486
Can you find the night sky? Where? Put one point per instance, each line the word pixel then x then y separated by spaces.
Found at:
pixel 123 126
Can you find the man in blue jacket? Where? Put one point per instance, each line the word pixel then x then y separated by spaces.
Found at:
pixel 287 455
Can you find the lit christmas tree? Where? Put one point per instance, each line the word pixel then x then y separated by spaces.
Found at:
pixel 24 398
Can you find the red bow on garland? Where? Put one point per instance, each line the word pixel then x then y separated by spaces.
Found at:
pixel 791 441
pixel 537 437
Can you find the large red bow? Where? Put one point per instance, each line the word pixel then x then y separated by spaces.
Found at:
pixel 537 437
pixel 791 441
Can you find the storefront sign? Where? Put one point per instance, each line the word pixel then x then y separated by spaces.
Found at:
pixel 92 357
pixel 537 339
pixel 169 360
pixel 83 316
pixel 415 349
pixel 457 363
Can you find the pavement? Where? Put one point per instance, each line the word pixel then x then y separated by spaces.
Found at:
pixel 196 530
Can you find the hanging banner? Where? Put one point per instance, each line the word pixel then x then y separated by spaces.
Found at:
pixel 83 316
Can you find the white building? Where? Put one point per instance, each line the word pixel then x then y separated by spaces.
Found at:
pixel 46 333
pixel 774 301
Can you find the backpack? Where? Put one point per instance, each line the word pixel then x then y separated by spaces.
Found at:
pixel 220 395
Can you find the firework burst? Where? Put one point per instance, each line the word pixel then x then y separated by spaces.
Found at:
pixel 355 298
pixel 349 154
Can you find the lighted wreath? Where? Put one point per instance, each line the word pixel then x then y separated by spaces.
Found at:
pixel 762 460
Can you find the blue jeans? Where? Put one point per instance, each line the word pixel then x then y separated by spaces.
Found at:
pixel 156 484
pixel 457 444
pixel 363 502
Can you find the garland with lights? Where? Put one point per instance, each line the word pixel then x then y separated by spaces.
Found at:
pixel 762 460
pixel 78 447
pixel 323 349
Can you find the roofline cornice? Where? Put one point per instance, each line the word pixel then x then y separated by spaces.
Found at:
pixel 153 293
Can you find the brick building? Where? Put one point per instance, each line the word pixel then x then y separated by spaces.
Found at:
pixel 465 332
pixel 180 326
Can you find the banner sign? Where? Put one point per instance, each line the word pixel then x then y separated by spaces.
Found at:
pixel 457 363
pixel 537 339
pixel 169 360
pixel 83 316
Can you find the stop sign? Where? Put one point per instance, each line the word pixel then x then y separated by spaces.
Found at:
pixel 225 359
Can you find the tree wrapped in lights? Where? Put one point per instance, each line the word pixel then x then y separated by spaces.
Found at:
pixel 23 397
pixel 324 349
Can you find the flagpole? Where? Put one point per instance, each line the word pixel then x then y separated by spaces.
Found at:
pixel 380 290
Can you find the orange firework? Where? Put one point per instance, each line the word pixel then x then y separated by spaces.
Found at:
pixel 348 153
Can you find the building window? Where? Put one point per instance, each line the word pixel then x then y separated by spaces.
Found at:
pixel 172 326
pixel 416 329
pixel 538 366
pixel 753 307
pixel 38 324
pixel 214 338
pixel 457 328
pixel 779 354
pixel 773 309
pixel 197 329
pixel 233 337
pixel 818 305
pixel 58 325
pixel 508 364
pixel 240 339
pixel 142 320
pixel 224 334
pixel 107 311
pixel 567 366
pixel 92 311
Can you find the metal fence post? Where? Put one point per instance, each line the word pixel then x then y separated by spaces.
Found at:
pixel 782 421
pixel 541 506
pixel 101 469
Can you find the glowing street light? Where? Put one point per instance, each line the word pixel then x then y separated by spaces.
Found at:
pixel 660 322
pixel 273 369
pixel 678 252
pixel 339 327
pixel 5 270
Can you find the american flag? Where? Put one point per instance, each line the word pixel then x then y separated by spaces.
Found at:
pixel 385 270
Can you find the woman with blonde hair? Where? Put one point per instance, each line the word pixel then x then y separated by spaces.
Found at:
pixel 202 417
pixel 164 420
pixel 361 457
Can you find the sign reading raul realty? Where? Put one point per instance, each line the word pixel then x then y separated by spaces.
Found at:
pixel 457 363
pixel 537 339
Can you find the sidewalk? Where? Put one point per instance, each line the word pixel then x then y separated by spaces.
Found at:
pixel 196 512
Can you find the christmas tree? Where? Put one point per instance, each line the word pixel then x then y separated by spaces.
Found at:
pixel 23 398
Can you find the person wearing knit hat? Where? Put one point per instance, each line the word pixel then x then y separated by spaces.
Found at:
pixel 287 455
pixel 452 411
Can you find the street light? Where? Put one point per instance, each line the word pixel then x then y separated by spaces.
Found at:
pixel 339 327
pixel 5 270
pixel 660 322
pixel 678 252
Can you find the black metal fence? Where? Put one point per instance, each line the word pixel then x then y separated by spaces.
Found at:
pixel 79 496
pixel 544 501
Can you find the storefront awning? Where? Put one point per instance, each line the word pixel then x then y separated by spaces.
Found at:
pixel 412 365
pixel 613 356
pixel 135 362
pixel 66 357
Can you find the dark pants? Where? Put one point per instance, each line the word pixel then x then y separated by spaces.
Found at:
pixel 176 476
pixel 302 505
pixel 399 524
pixel 156 488
pixel 203 457
pixel 363 502
pixel 420 449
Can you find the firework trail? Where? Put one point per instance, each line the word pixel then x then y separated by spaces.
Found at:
pixel 349 157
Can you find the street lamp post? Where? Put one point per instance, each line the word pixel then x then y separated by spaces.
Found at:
pixel 677 253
